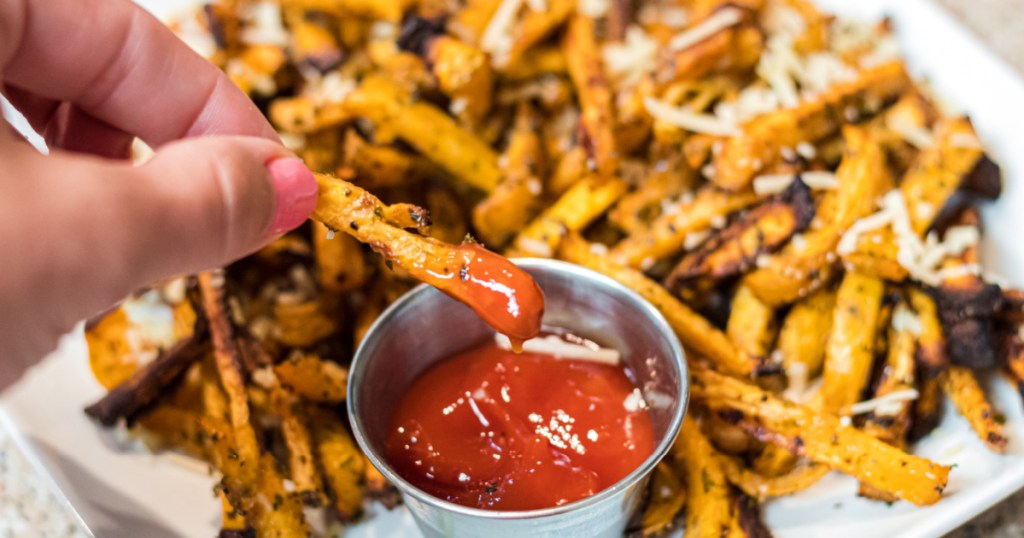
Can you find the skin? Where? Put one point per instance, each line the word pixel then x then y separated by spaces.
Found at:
pixel 81 227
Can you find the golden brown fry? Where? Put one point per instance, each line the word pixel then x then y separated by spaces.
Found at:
pixel 752 327
pixel 314 46
pixel 432 132
pixel 931 361
pixel 821 438
pixel 111 356
pixel 295 430
pixel 579 206
pixel 962 388
pixel 694 332
pixel 340 460
pixel 569 170
pixel 597 119
pixel 731 50
pixel 469 23
pixel 516 200
pixel 636 209
pixel 535 26
pixel 389 10
pixel 761 487
pixel 798 268
pixel 803 337
pixel 850 350
pixel 172 427
pixel 897 375
pixel 762 139
pixel 735 249
pixel 666 234
pixel 709 511
pixel 302 324
pixel 339 260
pixel 230 520
pixel 536 62
pixel 667 497
pixel 313 378
pixel 447 218
pixel 464 74
pixel 378 167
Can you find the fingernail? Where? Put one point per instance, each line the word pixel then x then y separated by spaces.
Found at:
pixel 296 192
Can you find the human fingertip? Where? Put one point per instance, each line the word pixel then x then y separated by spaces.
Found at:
pixel 295 189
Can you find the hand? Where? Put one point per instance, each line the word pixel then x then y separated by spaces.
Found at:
pixel 81 228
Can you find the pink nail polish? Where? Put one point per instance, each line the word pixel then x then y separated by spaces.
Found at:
pixel 296 192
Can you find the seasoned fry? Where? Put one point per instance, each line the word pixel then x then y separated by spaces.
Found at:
pixel 961 387
pixel 821 438
pixel 752 328
pixel 666 235
pixel 574 210
pixel 339 260
pixel 803 337
pixel 667 498
pixel 709 508
pixel 377 167
pixel 735 249
pixel 295 430
pixel 763 138
pixel 850 350
pixel 536 25
pixel 430 131
pixel 111 357
pixel 635 210
pixel 340 460
pixel 694 332
pixel 761 487
pixel 302 324
pixel 594 94
pixel 798 268
pixel 730 50
pixel 313 378
pixel 463 74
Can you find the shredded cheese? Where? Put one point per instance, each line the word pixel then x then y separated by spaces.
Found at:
pixel 628 61
pixel 915 135
pixel 562 349
pixel 264 25
pixel 497 37
pixel 905 319
pixel 720 20
pixel 594 9
pixel 887 405
pixel 691 121
pixel 776 183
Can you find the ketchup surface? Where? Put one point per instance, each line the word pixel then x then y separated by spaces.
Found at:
pixel 496 430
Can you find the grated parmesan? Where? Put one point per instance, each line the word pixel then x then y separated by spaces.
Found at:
pixel 628 61
pixel 558 347
pixel 905 319
pixel 686 119
pixel 594 9
pixel 720 20
pixel 915 135
pixel 776 183
pixel 264 25
pixel 887 405
pixel 497 37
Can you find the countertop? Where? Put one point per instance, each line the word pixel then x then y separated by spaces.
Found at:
pixel 27 508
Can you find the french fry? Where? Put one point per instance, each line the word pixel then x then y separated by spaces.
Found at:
pixel 709 510
pixel 569 170
pixel 735 249
pixel 803 337
pixel 464 74
pixel 470 22
pixel 536 62
pixel 752 327
pixel 667 497
pixel 535 26
pixel 694 332
pixel 371 9
pixel 821 438
pixel 111 357
pixel 762 139
pixel 448 222
pixel 849 353
pixel 302 324
pixel 313 45
pixel 730 50
pixel 173 428
pixel 801 477
pixel 931 360
pixel 583 58
pixel 340 460
pixel 635 210
pixel 579 206
pixel 378 167
pixel 295 430
pixel 962 388
pixel 339 261
pixel 897 375
pixel 798 268
pixel 230 519
pixel 432 132
pixel 666 234
pixel 313 378
pixel 516 200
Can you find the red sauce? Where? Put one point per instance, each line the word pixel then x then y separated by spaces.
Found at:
pixel 492 429
pixel 503 295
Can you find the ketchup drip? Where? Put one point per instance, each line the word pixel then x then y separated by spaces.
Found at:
pixel 492 429
pixel 503 295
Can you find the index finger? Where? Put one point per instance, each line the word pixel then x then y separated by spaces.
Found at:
pixel 118 63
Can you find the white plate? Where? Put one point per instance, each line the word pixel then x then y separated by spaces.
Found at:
pixel 126 493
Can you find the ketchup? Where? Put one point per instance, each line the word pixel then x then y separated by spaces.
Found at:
pixel 503 295
pixel 496 430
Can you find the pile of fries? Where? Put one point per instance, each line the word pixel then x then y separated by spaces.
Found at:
pixel 768 176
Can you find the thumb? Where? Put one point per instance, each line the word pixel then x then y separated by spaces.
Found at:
pixel 88 231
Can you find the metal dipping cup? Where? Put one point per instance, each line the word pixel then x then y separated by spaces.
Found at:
pixel 425 326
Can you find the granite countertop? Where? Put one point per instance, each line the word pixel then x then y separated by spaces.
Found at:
pixel 27 508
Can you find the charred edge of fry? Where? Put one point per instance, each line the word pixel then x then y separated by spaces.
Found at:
pixel 796 199
pixel 251 352
pixel 966 313
pixel 1011 353
pixel 417 32
pixel 985 180
pixel 749 514
pixel 1011 306
pixel 146 385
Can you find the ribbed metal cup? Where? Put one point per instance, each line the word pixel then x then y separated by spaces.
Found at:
pixel 426 326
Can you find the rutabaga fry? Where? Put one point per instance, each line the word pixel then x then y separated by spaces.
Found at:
pixel 752 327
pixel 799 267
pixel 762 139
pixel 801 477
pixel 340 264
pixel 295 430
pixel 597 117
pixel 821 438
pixel 694 332
pixel 849 353
pixel 803 337
pixel 535 26
pixel 709 512
pixel 962 388
pixel 635 210
pixel 666 234
pixel 666 500
pixel 464 74
pixel 313 378
pixel 340 460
